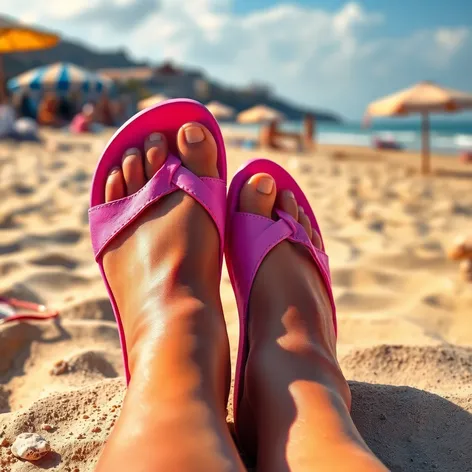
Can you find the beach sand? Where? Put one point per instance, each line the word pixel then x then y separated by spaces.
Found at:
pixel 405 328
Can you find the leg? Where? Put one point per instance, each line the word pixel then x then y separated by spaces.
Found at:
pixel 296 402
pixel 163 271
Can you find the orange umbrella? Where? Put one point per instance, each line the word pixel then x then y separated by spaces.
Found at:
pixel 17 37
pixel 424 98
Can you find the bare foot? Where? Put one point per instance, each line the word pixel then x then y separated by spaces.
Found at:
pixel 294 409
pixel 164 273
pixel 173 246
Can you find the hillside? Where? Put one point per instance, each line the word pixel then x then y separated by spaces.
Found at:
pixel 69 51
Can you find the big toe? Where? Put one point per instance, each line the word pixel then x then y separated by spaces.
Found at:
pixel 197 148
pixel 258 195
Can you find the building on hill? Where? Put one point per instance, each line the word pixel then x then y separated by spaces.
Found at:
pixel 166 79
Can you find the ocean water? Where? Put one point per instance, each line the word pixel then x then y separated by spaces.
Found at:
pixel 447 136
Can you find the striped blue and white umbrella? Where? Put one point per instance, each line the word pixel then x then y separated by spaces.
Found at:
pixel 60 77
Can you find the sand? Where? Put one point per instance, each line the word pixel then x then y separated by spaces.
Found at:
pixel 405 333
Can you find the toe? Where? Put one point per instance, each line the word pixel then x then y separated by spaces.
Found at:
pixel 304 221
pixel 155 149
pixel 316 239
pixel 197 149
pixel 133 170
pixel 286 201
pixel 258 195
pixel 115 185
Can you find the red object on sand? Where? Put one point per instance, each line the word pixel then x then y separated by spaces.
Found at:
pixel 35 311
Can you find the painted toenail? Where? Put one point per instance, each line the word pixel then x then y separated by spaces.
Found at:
pixel 114 170
pixel 131 152
pixel 155 137
pixel 265 185
pixel 194 134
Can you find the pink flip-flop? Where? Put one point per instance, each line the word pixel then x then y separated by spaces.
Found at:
pixel 107 220
pixel 249 238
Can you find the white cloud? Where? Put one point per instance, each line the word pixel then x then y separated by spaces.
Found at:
pixel 352 15
pixel 451 39
pixel 335 60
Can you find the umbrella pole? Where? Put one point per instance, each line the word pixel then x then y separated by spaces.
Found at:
pixel 426 155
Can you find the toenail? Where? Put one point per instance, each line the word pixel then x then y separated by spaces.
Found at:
pixel 194 134
pixel 290 194
pixel 114 170
pixel 155 137
pixel 300 209
pixel 265 185
pixel 131 152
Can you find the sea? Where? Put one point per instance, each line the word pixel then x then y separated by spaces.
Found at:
pixel 447 136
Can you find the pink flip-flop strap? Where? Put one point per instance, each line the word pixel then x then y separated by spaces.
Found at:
pixel 253 237
pixel 109 219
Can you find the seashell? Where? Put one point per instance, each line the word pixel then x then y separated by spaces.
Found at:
pixel 30 446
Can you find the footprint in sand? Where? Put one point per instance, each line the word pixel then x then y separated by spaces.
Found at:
pixel 55 281
pixel 23 190
pixel 7 221
pixel 56 260
pixel 9 248
pixel 62 236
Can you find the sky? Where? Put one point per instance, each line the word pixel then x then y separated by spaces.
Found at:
pixel 329 54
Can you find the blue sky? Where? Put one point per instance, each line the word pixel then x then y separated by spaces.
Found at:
pixel 331 54
pixel 403 16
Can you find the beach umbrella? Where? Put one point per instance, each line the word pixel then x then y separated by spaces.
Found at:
pixel 423 98
pixel 260 114
pixel 61 77
pixel 153 100
pixel 17 37
pixel 219 110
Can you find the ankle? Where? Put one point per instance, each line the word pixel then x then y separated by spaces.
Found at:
pixel 180 314
pixel 294 359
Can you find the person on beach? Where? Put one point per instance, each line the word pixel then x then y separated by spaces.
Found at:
pixel 82 122
pixel 21 129
pixel 269 136
pixel 164 272
pixel 48 111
